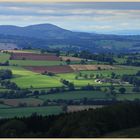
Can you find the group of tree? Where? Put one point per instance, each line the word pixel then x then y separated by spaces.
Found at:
pixel 98 57
pixel 70 85
pixel 91 87
pixel 50 50
pixel 83 124
pixel 132 79
pixel 85 76
pixel 5 74
pixel 13 94
pixel 82 101
pixel 4 63
pixel 9 85
pixel 132 62
pixel 112 90
pixel 48 73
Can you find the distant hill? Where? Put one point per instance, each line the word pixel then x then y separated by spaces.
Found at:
pixel 40 31
pixel 124 32
pixel 49 35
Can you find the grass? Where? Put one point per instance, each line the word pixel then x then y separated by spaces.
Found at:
pixel 131 96
pixel 4 106
pixel 75 95
pixel 4 57
pixel 37 81
pixel 27 111
pixel 26 79
pixel 121 70
pixel 71 77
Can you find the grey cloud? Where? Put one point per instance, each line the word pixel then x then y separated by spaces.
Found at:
pixel 74 16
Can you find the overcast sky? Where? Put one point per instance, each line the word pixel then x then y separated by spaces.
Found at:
pixel 92 17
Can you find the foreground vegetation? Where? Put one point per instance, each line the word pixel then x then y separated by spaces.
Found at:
pixel 100 122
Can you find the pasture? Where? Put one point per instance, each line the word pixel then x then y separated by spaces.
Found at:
pixel 27 74
pixel 3 106
pixel 27 111
pixel 4 57
pixel 76 95
pixel 28 79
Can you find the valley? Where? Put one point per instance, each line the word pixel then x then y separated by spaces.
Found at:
pixel 48 80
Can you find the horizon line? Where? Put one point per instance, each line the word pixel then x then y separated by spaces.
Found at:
pixel 52 1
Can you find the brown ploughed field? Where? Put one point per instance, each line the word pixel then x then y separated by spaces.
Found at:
pixel 17 102
pixel 33 56
pixel 52 69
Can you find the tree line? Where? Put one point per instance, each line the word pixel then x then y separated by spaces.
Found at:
pixel 83 124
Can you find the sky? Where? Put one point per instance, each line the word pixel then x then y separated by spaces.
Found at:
pixel 76 16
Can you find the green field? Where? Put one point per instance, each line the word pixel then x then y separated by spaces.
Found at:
pixel 120 70
pixel 4 57
pixel 35 81
pixel 9 111
pixel 27 111
pixel 3 106
pixel 75 95
pixel 26 79
pixel 130 97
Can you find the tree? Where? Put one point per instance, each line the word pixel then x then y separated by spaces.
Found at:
pixel 65 108
pixel 42 51
pixel 76 77
pixel 68 61
pixel 5 74
pixel 36 92
pixel 82 62
pixel 91 76
pixel 122 90
pixel 136 89
pixel 99 68
pixel 138 73
pixel 85 76
pixel 112 88
pixel 113 75
pixel 58 53
pixel 13 128
pixel 71 86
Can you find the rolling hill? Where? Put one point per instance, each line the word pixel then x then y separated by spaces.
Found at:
pixel 40 31
pixel 49 35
